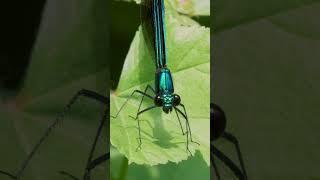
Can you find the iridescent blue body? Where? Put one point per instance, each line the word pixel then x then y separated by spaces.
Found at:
pixel 153 21
pixel 164 88
pixel 154 31
pixel 163 82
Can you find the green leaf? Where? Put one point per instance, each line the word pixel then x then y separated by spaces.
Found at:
pixel 162 140
pixel 193 7
pixel 188 7
pixel 194 168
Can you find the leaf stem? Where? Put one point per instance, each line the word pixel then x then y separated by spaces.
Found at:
pixel 123 169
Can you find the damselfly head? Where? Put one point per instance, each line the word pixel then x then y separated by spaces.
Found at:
pixel 167 109
pixel 158 101
pixel 167 101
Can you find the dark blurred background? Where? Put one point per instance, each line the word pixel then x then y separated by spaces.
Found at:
pixel 19 26
pixel 49 51
pixel 265 74
pixel 125 20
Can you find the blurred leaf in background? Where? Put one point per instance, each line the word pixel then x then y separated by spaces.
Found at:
pixel 266 64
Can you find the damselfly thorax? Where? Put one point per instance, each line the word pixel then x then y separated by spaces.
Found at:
pixel 165 96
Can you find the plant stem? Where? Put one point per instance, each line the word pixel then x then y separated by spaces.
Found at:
pixel 123 169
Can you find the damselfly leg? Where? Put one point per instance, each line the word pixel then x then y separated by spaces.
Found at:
pixel 214 165
pixel 139 128
pixel 94 163
pixel 139 112
pixel 231 138
pixel 188 129
pixel 127 100
pixel 91 163
pixel 144 110
pixel 187 123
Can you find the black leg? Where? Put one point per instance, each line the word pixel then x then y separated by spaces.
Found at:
pixel 220 127
pixel 102 123
pixel 231 165
pixel 101 159
pixel 187 127
pixel 83 92
pixel 145 92
pixel 187 121
pixel 96 162
pixel 8 174
pixel 187 144
pixel 234 140
pixel 135 91
pixel 64 173
pixel 214 166
pixel 183 133
pixel 137 118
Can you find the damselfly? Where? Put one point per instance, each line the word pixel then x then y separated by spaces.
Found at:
pixel 218 125
pixel 91 162
pixel 163 95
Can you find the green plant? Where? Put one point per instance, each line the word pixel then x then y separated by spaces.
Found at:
pixel 188 46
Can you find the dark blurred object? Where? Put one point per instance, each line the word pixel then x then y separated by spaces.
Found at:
pixel 219 121
pixel 19 26
pixel 203 20
pixel 218 126
pixel 122 33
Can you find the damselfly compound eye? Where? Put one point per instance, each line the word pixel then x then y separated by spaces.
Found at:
pixel 158 101
pixel 176 100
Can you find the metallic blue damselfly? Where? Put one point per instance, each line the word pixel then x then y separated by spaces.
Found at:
pixel 154 32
